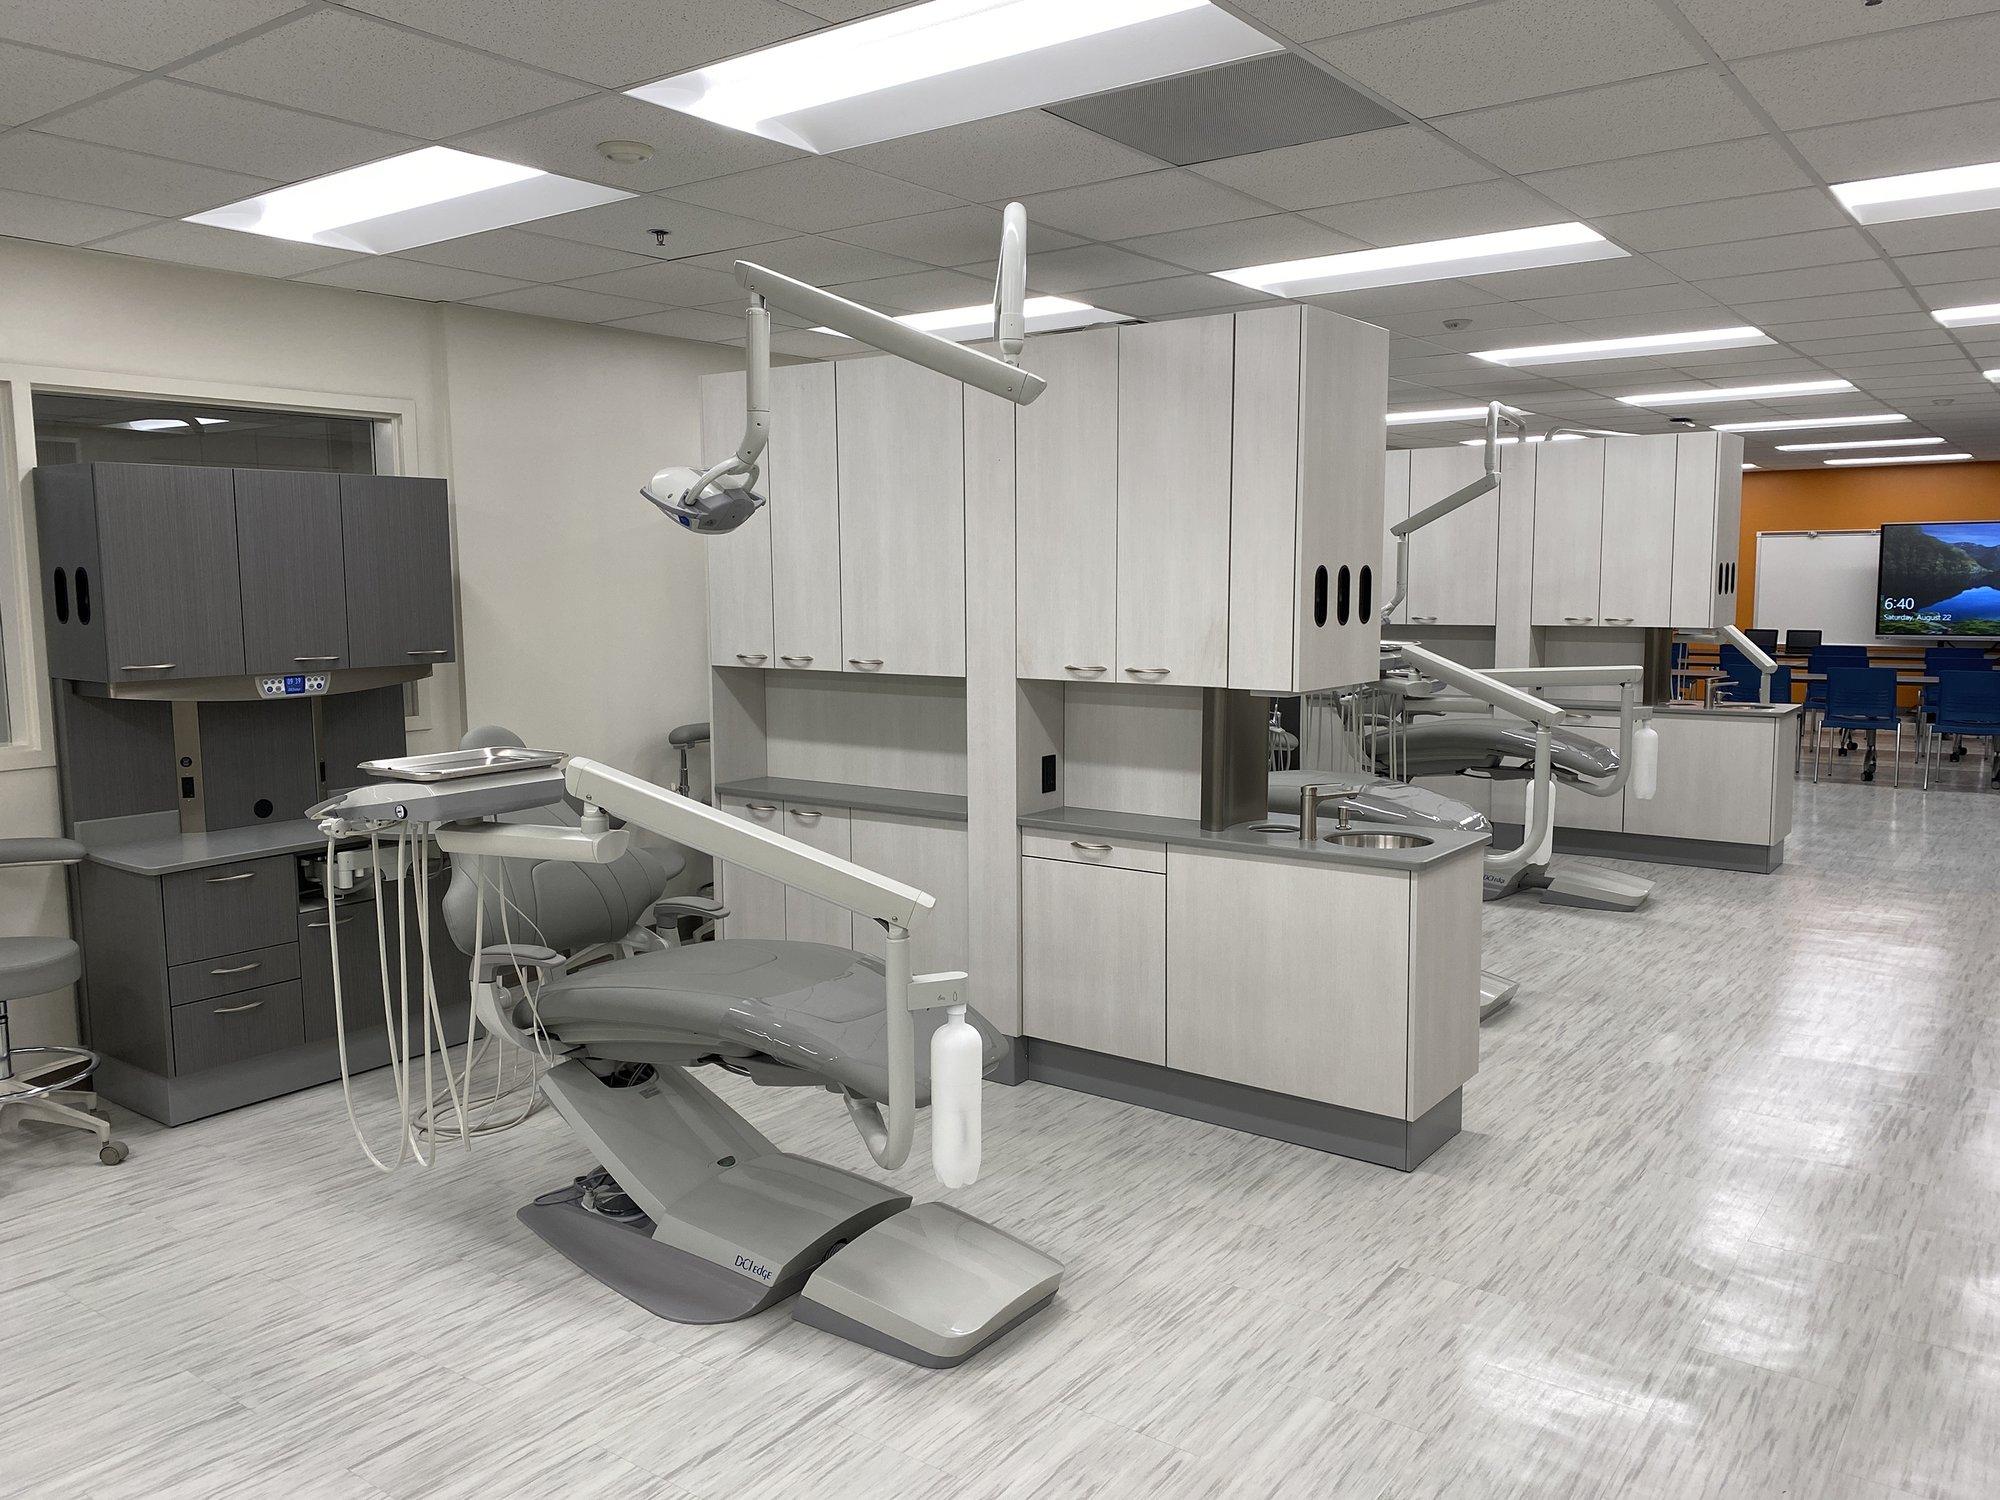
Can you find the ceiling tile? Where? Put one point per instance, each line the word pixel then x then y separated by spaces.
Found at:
pixel 1480 319
pixel 844 10
pixel 1672 297
pixel 1692 107
pixel 1440 213
pixel 1865 343
pixel 1801 334
pixel 573 304
pixel 395 277
pixel 1565 281
pixel 1378 164
pixel 1946 232
pixel 1841 305
pixel 685 149
pixel 1154 203
pixel 1174 295
pixel 950 237
pixel 1695 174
pixel 224 249
pixel 335 63
pixel 984 161
pixel 1820 247
pixel 810 258
pixel 57 167
pixel 1962 294
pixel 814 193
pixel 1248 242
pixel 1794 212
pixel 34 83
pixel 1512 49
pixel 27 216
pixel 1816 281
pixel 132 31
pixel 524 256
pixel 918 291
pixel 1914 142
pixel 221 130
pixel 616 43
pixel 1310 20
pixel 671 284
pixel 1736 29
pixel 628 225
pixel 1063 272
pixel 1948 63
pixel 1949 266
pixel 1377 303
pixel 687 323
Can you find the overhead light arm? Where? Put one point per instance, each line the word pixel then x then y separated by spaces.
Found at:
pixel 1497 415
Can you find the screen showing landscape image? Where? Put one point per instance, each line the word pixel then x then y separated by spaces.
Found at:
pixel 1939 578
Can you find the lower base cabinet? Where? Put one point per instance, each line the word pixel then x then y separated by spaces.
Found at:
pixel 1094 957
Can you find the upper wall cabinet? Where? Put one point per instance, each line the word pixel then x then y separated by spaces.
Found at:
pixel 396 540
pixel 1634 587
pixel 1066 518
pixel 294 571
pixel 1569 533
pixel 1708 501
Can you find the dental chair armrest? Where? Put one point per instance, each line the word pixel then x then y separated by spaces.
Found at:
pixel 670 908
pixel 497 959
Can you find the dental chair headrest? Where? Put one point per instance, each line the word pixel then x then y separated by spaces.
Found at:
pixel 491 737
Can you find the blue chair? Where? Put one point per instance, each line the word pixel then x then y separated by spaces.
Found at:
pixel 1965 702
pixel 1862 698
pixel 1822 660
pixel 1746 683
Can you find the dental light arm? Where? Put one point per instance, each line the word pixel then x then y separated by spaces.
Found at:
pixel 1496 415
pixel 1010 285
pixel 1757 656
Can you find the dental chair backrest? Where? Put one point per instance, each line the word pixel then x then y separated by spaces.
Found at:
pixel 550 902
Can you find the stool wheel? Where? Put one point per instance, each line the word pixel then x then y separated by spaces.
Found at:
pixel 113 1152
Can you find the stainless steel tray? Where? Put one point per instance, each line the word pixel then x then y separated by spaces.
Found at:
pixel 451 765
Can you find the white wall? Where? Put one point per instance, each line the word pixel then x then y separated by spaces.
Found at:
pixel 583 612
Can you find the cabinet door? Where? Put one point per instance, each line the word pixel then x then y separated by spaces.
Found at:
pixel 1708 492
pixel 1065 510
pixel 809 919
pixel 169 594
pixel 1717 777
pixel 294 576
pixel 1175 389
pixel 756 902
pixel 1395 511
pixel 1636 568
pixel 804 583
pixel 902 519
pixel 932 857
pixel 1094 957
pixel 739 564
pixel 396 537
pixel 1453 562
pixel 1569 527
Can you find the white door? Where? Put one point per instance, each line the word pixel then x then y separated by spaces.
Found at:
pixel 756 902
pixel 739 565
pixel 932 857
pixel 1453 562
pixel 809 919
pixel 804 489
pixel 1636 561
pixel 1094 957
pixel 1569 527
pixel 1066 510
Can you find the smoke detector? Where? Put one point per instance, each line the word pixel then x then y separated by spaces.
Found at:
pixel 626 153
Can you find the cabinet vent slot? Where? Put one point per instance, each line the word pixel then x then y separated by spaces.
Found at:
pixel 62 596
pixel 1366 610
pixel 1343 596
pixel 1319 596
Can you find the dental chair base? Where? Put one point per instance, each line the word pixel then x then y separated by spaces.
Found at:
pixel 1596 890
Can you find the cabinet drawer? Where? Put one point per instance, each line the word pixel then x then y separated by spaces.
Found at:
pixel 230 1028
pixel 231 908
pixel 1094 958
pixel 206 978
pixel 1088 849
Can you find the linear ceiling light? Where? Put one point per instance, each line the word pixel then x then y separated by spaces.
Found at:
pixel 1922 442
pixel 1748 467
pixel 1700 394
pixel 951 61
pixel 1436 414
pixel 1922 195
pixel 1561 437
pixel 400 202
pixel 1043 315
pixel 1628 348
pixel 1903 458
pixel 1430 260
pixel 1968 317
pixel 168 424
pixel 1991 374
pixel 1799 424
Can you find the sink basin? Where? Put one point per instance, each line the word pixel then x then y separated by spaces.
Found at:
pixel 1355 838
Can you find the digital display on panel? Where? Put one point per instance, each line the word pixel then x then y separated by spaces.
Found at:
pixel 1939 578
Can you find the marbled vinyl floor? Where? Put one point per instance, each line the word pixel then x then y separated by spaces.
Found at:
pixel 1725 1220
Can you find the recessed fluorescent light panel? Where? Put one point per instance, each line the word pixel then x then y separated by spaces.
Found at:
pixel 1799 424
pixel 1748 467
pixel 1904 458
pixel 168 424
pixel 1042 314
pixel 1561 437
pixel 1628 348
pixel 1431 260
pixel 1922 442
pixel 1437 414
pixel 950 61
pixel 400 202
pixel 1702 394
pixel 1922 195
pixel 1968 317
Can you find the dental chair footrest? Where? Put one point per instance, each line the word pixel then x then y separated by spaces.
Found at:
pixel 933 1286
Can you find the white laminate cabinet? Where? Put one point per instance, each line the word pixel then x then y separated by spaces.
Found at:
pixel 756 902
pixel 1569 531
pixel 1066 513
pixel 810 919
pixel 1635 572
pixel 1094 957
pixel 902 519
pixel 931 856
pixel 739 570
pixel 1723 779
pixel 1708 494
pixel 1175 387
pixel 1454 562
pixel 804 491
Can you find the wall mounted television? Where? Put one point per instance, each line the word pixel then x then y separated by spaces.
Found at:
pixel 1939 578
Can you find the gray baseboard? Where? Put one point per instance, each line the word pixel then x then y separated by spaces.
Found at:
pixel 1013 1068
pixel 1402 1144
pixel 1653 849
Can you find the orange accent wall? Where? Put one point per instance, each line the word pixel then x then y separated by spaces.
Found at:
pixel 1856 500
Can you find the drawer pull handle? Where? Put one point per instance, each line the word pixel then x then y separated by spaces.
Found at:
pixel 432 651
pixel 864 661
pixel 1149 671
pixel 801 660
pixel 752 656
pixel 303 660
pixel 149 666
pixel 805 814
pixel 236 969
pixel 1072 667
pixel 231 1010
pixel 760 807
pixel 322 926
pixel 1090 848
pixel 232 879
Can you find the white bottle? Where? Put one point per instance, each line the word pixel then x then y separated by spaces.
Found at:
pixel 1645 762
pixel 957 1063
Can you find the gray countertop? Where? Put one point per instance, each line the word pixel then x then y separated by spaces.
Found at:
pixel 165 853
pixel 942 806
pixel 1727 710
pixel 1189 834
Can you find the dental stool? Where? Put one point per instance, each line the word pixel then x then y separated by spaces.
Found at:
pixel 56 1087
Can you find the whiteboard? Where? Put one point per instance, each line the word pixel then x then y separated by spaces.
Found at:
pixel 1819 580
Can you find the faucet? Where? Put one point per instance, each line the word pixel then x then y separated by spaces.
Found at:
pixel 1312 795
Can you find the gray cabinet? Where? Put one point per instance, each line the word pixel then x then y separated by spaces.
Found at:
pixel 396 542
pixel 294 576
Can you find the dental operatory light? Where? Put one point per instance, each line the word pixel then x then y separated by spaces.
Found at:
pixel 1973 316
pixel 1900 458
pixel 418 198
pixel 1635 347
pixel 1922 195
pixel 1800 424
pixel 1429 260
pixel 1436 414
pixel 1044 315
pixel 949 62
pixel 1700 394
pixel 1913 442
pixel 168 424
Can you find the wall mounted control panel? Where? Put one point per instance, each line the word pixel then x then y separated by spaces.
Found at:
pixel 298 685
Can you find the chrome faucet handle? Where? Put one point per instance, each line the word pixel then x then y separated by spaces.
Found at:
pixel 1314 793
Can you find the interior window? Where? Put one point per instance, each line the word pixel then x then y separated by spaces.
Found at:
pixel 138 429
